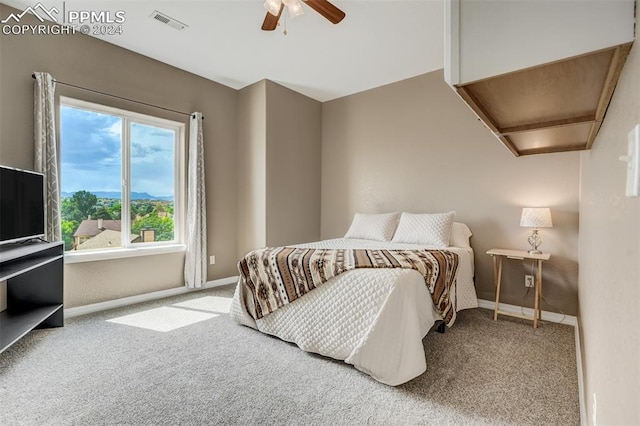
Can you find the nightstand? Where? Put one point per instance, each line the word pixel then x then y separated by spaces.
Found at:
pixel 498 255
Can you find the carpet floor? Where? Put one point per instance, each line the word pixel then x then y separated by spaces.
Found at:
pixel 111 368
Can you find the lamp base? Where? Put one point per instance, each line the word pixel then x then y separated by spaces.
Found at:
pixel 534 240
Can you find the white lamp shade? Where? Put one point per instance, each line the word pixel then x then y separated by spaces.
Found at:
pixel 295 8
pixel 536 218
pixel 273 6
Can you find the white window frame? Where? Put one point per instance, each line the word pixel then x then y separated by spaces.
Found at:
pixel 128 248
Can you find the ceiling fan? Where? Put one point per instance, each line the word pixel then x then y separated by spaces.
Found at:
pixel 276 7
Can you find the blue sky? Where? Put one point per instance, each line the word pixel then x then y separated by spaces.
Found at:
pixel 91 155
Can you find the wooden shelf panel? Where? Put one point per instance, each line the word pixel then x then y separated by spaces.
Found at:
pixel 14 325
pixel 556 137
pixel 560 90
pixel 551 107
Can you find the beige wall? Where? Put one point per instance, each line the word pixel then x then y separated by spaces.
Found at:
pixel 411 146
pixel 415 146
pixel 92 282
pixel 610 264
pixel 294 126
pixel 92 63
pixel 252 167
pixel 279 136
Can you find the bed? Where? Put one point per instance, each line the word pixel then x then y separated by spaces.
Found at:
pixel 374 319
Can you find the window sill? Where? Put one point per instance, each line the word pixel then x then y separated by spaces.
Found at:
pixel 92 256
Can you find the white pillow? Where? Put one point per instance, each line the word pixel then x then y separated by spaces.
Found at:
pixel 377 227
pixel 427 229
pixel 460 234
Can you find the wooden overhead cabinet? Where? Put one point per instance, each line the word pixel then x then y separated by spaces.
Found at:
pixel 539 74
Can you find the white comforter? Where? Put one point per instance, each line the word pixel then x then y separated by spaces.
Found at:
pixel 374 319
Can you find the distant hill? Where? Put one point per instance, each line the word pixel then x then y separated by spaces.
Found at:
pixel 116 195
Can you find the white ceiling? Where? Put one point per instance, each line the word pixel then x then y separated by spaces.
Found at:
pixel 379 42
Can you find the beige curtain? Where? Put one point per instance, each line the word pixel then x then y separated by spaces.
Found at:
pixel 46 151
pixel 195 265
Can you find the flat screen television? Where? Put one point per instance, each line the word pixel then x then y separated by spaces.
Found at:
pixel 21 205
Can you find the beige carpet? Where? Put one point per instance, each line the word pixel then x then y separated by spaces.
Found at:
pixel 100 369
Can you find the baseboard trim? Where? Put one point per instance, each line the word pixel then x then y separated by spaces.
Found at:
pixel 546 316
pixel 125 301
pixel 583 407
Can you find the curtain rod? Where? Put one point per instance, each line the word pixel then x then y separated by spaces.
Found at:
pixel 117 97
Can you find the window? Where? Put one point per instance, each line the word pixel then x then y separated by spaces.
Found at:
pixel 121 178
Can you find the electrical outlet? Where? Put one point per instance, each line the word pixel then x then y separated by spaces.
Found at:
pixel 528 280
pixel 212 260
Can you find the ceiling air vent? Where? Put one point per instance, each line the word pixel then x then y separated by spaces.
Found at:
pixel 167 20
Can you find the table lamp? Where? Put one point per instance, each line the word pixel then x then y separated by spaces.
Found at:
pixel 535 218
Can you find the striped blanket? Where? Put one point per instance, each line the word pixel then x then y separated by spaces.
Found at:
pixel 274 277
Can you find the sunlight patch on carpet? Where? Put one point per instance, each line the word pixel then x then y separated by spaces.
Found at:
pixel 163 319
pixel 220 305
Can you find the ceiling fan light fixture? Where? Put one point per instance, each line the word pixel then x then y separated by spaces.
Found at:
pixel 294 7
pixel 276 7
pixel 273 6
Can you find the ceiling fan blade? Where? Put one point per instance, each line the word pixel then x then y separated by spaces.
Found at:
pixel 326 9
pixel 271 21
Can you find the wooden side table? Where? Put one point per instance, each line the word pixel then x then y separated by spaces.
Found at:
pixel 498 255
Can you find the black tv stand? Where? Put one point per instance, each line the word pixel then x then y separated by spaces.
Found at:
pixel 34 275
